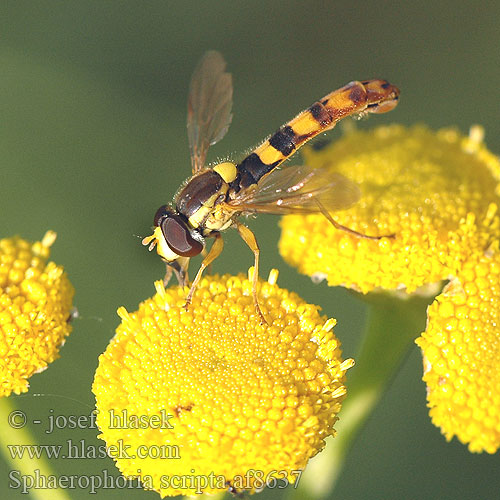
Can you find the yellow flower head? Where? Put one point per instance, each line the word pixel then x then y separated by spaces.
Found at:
pixel 247 401
pixel 438 192
pixel 461 348
pixel 435 191
pixel 35 305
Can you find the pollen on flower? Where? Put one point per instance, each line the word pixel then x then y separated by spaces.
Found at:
pixel 35 304
pixel 437 192
pixel 246 399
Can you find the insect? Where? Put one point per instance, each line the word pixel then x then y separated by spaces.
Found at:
pixel 214 198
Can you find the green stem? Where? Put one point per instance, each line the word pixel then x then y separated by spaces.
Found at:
pixel 393 324
pixel 26 466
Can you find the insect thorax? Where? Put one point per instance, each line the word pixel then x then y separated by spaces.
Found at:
pixel 199 199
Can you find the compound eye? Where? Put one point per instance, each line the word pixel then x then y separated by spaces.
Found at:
pixel 178 236
pixel 163 211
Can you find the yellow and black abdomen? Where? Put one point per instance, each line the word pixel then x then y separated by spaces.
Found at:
pixel 370 96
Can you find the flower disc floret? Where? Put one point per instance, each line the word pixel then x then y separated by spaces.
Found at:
pixel 243 396
pixel 35 306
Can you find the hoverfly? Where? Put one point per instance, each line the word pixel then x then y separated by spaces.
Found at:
pixel 215 196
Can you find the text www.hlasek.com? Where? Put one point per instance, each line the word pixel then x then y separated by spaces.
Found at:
pixel 79 449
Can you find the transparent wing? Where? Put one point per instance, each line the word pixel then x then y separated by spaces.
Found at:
pixel 297 189
pixel 209 106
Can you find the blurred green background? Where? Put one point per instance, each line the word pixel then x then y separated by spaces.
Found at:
pixel 93 140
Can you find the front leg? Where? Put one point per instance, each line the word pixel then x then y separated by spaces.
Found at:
pixel 180 268
pixel 168 274
pixel 215 251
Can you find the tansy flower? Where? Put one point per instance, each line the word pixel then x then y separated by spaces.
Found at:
pixel 438 192
pixel 247 402
pixel 35 305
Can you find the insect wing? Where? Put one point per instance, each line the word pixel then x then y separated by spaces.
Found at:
pixel 297 189
pixel 209 106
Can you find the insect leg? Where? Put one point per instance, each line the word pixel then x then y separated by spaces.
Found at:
pixel 204 253
pixel 180 268
pixel 215 251
pixel 168 274
pixel 337 225
pixel 249 239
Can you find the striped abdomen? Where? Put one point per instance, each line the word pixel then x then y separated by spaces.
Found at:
pixel 374 96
